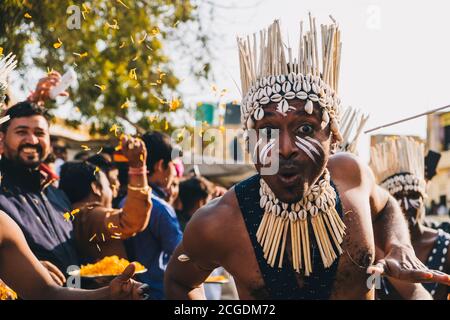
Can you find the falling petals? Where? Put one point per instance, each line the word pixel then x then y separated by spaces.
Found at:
pixel 58 44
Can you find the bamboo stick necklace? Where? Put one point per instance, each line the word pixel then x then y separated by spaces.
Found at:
pixel 317 208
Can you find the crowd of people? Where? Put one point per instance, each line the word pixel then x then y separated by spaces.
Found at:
pixel 313 230
pixel 75 212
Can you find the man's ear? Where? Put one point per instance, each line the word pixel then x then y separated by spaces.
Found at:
pixel 96 189
pixel 159 166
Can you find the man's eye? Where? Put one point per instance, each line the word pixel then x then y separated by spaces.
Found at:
pixel 306 129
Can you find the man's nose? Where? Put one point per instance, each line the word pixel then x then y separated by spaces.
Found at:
pixel 31 139
pixel 288 149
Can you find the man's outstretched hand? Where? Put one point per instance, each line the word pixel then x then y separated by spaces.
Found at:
pixel 401 263
pixel 125 288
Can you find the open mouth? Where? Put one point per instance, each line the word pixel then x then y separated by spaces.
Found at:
pixel 288 177
pixel 30 152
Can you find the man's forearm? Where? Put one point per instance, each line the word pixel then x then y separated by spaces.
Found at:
pixel 391 228
pixel 135 215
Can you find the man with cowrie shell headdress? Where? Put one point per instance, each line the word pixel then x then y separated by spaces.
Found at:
pixel 307 230
pixel 399 167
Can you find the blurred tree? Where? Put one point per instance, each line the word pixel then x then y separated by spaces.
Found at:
pixel 117 49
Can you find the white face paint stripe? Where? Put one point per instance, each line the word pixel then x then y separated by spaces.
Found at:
pixel 256 147
pixel 266 154
pixel 315 142
pixel 263 153
pixel 266 149
pixel 305 150
pixel 415 203
pixel 309 145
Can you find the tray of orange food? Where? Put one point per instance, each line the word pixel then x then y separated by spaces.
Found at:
pixel 217 279
pixel 6 293
pixel 107 267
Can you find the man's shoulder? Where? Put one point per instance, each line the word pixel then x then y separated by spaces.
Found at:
pixel 346 168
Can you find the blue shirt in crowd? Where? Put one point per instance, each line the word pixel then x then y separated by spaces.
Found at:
pixel 154 246
pixel 38 208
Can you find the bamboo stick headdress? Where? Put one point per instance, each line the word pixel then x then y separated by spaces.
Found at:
pixel 271 74
pixel 351 125
pixel 399 165
pixel 7 64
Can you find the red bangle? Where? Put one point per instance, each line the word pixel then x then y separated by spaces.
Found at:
pixel 137 171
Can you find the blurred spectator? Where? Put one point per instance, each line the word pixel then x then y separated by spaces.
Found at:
pixel 104 162
pixel 27 194
pixel 154 246
pixel 99 229
pixel 195 192
pixel 60 154
pixel 174 192
pixel 433 208
pixel 442 210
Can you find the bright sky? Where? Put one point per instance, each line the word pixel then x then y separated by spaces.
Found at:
pixel 395 53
